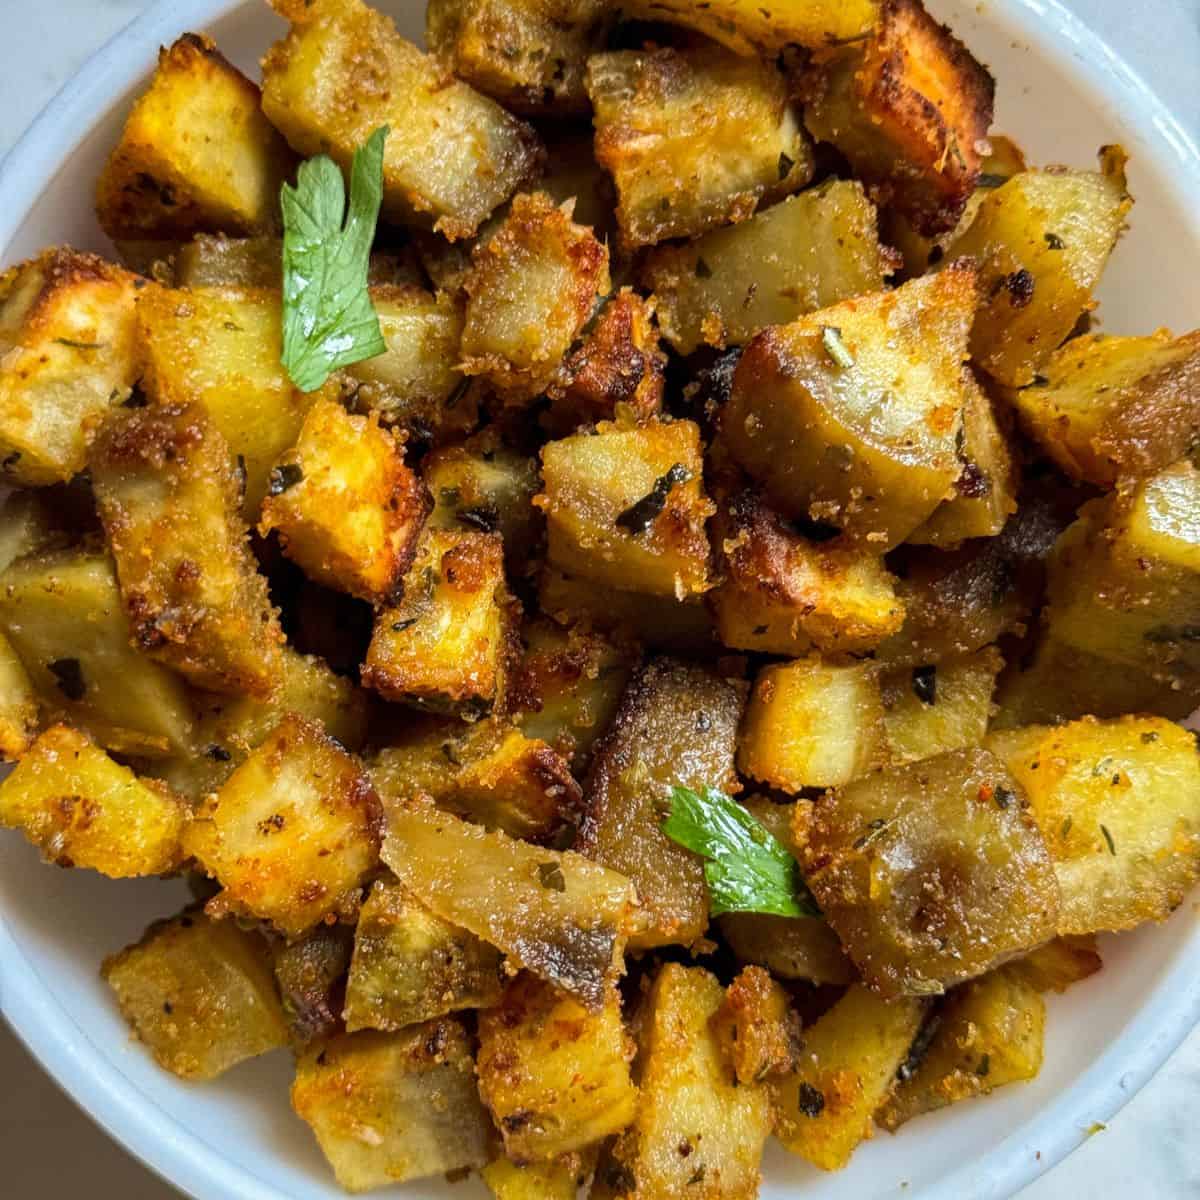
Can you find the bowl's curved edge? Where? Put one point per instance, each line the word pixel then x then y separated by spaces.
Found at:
pixel 184 1160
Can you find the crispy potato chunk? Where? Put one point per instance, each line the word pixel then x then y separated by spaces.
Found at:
pixel 447 646
pixel 785 594
pixel 930 873
pixel 554 1074
pixel 553 912
pixel 81 809
pixel 676 727
pixel 528 54
pixel 909 111
pixel 18 704
pixel 530 290
pixel 1110 407
pixel 66 357
pixel 559 1179
pixel 311 975
pixel 345 506
pixel 697 1132
pixel 805 253
pixel 625 506
pixel 293 832
pixel 1118 803
pixel 1042 240
pixel 850 415
pixel 846 1070
pixel 62 614
pixel 199 994
pixel 410 966
pixel 758 1030
pixel 989 1032
pixel 389 1107
pixel 169 496
pixel 343 71
pixel 196 153
pixel 812 724
pixel 693 138
pixel 1060 963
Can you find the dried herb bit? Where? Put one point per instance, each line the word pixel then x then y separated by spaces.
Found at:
pixel 218 753
pixel 873 830
pixel 831 339
pixel 284 477
pixel 74 345
pixel 1108 837
pixel 1066 828
pixel 460 390
pixel 68 673
pixel 484 517
pixel 924 684
pixel 550 876
pixel 401 626
pixel 1054 241
pixel 1004 797
pixel 1149 739
pixel 786 163
pixel 809 1101
pixel 697 1176
pixel 985 1066
pixel 703 270
pixel 637 518
pixel 990 181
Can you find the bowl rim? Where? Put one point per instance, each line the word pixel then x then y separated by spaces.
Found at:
pixel 188 1162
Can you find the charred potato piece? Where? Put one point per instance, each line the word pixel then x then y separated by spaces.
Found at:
pixel 758 1029
pixel 311 976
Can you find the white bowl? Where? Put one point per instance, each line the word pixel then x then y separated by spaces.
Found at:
pixel 1062 92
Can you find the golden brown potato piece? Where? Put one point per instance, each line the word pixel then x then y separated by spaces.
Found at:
pixel 170 499
pixel 343 71
pixel 930 873
pixel 559 1179
pixel 311 975
pixel 196 153
pixel 805 253
pixel 528 54
pixel 676 727
pixel 1110 407
pixel 554 1074
pixel 199 994
pixel 1060 963
pixel 18 704
pixel 81 809
pixel 293 832
pixel 530 290
pixel 693 138
pixel 67 355
pixel 625 506
pixel 909 111
pixel 851 415
pixel 389 1107
pixel 344 505
pixel 757 1027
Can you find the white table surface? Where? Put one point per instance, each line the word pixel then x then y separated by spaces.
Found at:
pixel 51 1151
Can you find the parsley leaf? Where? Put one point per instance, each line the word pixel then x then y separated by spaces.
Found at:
pixel 328 318
pixel 747 868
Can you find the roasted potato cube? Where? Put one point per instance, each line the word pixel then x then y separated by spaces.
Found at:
pixel 989 1033
pixel 812 723
pixel 554 1074
pixel 196 153
pixel 18 704
pixel 343 71
pixel 693 138
pixel 220 348
pixel 1104 408
pixel 199 994
pixel 62 614
pixel 625 506
pixel 931 873
pixel 697 1132
pixel 1041 240
pixel 936 708
pixel 410 966
pixel 530 290
pixel 850 415
pixel 169 496
pixel 1060 963
pixel 1118 803
pixel 344 505
pixel 311 974
pixel 808 252
pixel 528 54
pixel 214 261
pixel 66 356
pixel 785 594
pixel 846 1070
pixel 553 912
pixel 81 809
pixel 389 1107
pixel 293 832
pixel 618 362
pixel 559 1179
pixel 676 727
pixel 447 645
pixel 909 112
pixel 757 1027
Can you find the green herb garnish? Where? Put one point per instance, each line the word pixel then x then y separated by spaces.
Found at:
pixel 328 318
pixel 747 868
pixel 831 339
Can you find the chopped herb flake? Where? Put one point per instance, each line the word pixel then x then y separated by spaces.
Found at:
pixel 637 518
pixel 809 1101
pixel 283 477
pixel 550 876
pixel 1055 242
pixel 1108 837
pixel 831 339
